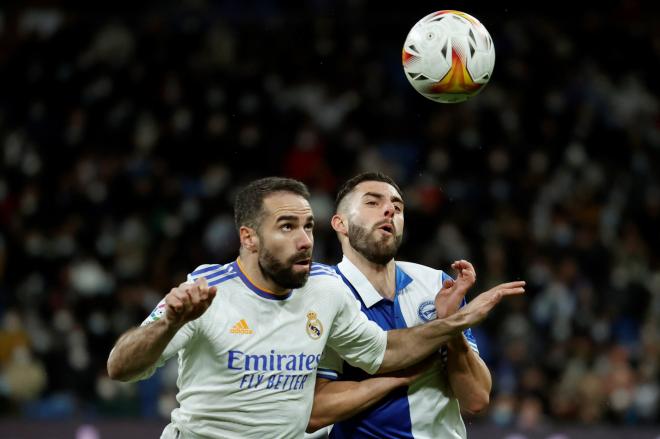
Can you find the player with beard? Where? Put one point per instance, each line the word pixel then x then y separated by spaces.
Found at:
pixel 248 359
pixel 418 403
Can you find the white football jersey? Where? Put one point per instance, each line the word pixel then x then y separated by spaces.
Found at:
pixel 247 366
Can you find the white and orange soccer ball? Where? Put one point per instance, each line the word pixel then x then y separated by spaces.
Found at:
pixel 448 56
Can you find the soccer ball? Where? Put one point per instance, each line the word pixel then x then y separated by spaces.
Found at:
pixel 448 56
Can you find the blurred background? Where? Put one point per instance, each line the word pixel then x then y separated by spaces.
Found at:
pixel 126 130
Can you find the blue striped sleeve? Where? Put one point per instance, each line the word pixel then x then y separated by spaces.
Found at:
pixel 322 270
pixel 213 273
pixel 327 374
pixel 205 269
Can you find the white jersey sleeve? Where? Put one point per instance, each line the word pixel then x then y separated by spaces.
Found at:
pixel 358 340
pixel 331 365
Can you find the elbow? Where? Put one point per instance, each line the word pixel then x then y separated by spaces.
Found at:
pixel 115 371
pixel 477 404
pixel 314 424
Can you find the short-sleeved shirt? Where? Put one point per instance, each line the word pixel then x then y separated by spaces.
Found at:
pixel 247 366
pixel 424 409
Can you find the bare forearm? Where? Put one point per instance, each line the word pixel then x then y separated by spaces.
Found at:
pixel 335 401
pixel 469 376
pixel 139 349
pixel 406 347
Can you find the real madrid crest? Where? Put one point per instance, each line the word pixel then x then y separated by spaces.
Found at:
pixel 314 326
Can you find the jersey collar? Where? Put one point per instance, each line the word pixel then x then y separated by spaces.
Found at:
pixel 363 287
pixel 266 294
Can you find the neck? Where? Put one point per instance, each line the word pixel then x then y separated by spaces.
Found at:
pixel 249 264
pixel 382 277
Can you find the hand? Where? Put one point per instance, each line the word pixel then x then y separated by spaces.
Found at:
pixel 188 301
pixel 452 293
pixel 478 308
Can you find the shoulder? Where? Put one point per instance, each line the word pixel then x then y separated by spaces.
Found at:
pixel 319 269
pixel 419 271
pixel 324 278
pixel 214 273
pixel 422 273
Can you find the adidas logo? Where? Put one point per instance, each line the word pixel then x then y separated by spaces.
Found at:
pixel 241 327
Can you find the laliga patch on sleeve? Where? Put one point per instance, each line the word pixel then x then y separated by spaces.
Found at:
pixel 157 314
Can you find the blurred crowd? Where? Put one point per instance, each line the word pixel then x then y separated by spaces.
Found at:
pixel 124 136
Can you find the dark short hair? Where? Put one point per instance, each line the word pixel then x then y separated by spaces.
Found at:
pixel 249 203
pixel 348 187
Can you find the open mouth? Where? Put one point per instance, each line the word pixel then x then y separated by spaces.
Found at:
pixel 303 262
pixel 387 228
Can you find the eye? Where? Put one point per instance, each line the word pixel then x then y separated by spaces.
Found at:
pixel 398 208
pixel 286 227
pixel 309 226
pixel 371 203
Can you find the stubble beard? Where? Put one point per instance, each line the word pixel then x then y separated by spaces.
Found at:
pixel 376 250
pixel 282 272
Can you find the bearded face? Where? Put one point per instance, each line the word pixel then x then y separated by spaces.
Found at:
pixel 291 272
pixel 378 244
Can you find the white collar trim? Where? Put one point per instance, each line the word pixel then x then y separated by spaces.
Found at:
pixel 365 290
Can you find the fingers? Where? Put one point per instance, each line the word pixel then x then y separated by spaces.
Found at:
pixel 183 295
pixel 514 284
pixel 478 309
pixel 462 265
pixel 190 300
pixel 177 304
pixel 205 293
pixel 197 292
pixel 174 304
pixel 510 288
pixel 512 291
pixel 447 284
pixel 464 268
pixel 202 287
pixel 466 275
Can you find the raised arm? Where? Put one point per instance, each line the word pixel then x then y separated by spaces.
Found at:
pixel 409 346
pixel 469 377
pixel 139 349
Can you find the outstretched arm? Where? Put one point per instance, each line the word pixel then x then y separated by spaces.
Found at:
pixel 139 349
pixel 409 346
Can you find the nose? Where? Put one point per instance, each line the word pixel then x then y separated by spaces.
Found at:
pixel 305 241
pixel 389 209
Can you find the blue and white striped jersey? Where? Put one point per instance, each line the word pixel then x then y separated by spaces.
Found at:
pixel 424 409
pixel 247 366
